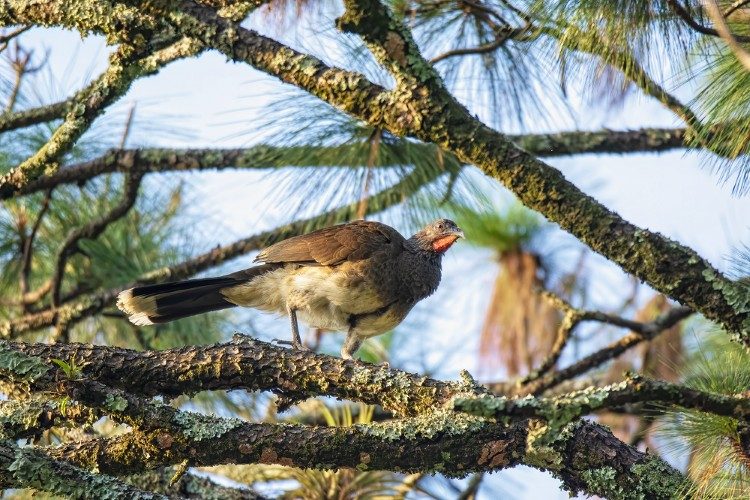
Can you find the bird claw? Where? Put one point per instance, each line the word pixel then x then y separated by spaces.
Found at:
pixel 294 345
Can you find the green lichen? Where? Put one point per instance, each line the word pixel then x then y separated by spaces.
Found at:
pixel 115 403
pixel 429 425
pixel 604 481
pixel 199 427
pixel 16 415
pixel 654 478
pixel 545 446
pixel 651 479
pixel 19 366
pixel 30 468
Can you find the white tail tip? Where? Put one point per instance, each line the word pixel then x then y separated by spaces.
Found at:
pixel 138 309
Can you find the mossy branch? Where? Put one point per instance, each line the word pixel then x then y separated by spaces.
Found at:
pixel 31 468
pixel 20 119
pixel 439 439
pixel 154 160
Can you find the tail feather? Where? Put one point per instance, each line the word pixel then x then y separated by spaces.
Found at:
pixel 163 302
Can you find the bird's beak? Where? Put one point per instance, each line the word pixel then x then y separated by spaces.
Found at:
pixel 458 233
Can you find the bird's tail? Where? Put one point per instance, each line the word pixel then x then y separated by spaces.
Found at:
pixel 146 305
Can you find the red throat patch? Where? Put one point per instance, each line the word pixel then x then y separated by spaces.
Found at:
pixel 444 243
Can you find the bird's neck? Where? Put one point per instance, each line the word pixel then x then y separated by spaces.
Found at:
pixel 420 271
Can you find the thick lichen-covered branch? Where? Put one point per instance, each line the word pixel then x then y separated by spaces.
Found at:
pixel 31 468
pixel 243 364
pixel 439 439
pixel 31 417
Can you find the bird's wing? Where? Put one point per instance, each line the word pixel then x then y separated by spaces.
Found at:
pixel 333 245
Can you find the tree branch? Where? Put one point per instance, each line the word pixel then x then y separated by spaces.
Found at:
pixel 153 160
pixel 682 12
pixel 438 438
pixel 732 40
pixel 188 486
pixel 29 418
pixel 636 389
pixel 87 105
pixel 27 254
pixel 641 332
pixel 26 118
pixel 31 468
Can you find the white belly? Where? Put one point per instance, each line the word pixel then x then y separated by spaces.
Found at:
pixel 322 297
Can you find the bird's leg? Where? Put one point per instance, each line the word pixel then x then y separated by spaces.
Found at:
pixel 296 342
pixel 351 344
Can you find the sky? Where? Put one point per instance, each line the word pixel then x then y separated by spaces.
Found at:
pixel 209 102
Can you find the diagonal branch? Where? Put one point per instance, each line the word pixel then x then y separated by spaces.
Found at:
pixel 725 32
pixel 683 13
pixel 87 105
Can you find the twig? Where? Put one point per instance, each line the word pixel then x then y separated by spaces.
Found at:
pixel 571 318
pixel 128 126
pixel 732 40
pixel 738 4
pixel 92 230
pixel 641 332
pixel 472 488
pixel 26 256
pixel 500 38
pixel 372 158
pixel 5 38
pixel 683 13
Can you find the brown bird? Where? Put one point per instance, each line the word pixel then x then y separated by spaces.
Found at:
pixel 362 277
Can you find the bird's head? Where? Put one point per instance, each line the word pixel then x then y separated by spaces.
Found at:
pixel 438 236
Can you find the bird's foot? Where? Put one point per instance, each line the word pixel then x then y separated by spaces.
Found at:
pixel 294 345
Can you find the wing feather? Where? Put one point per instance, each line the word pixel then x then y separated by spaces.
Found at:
pixel 357 240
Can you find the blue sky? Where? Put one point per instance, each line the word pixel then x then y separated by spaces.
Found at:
pixel 206 101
